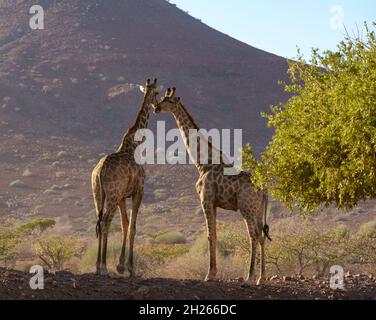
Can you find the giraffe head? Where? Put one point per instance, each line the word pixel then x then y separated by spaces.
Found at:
pixel 150 92
pixel 168 103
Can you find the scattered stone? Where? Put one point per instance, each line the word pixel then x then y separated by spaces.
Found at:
pixel 144 290
pixel 141 293
pixel 62 154
pixel 50 192
pixel 55 164
pixel 18 184
pixel 55 187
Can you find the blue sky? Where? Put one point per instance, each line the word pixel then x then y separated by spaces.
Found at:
pixel 279 26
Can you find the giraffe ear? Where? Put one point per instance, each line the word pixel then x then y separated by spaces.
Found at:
pixel 142 89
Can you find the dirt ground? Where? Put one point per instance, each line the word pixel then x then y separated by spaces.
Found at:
pixel 67 286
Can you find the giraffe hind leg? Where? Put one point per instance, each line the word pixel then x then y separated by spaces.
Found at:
pixel 211 215
pixel 105 228
pixel 99 255
pixel 251 226
pixel 136 202
pixel 124 225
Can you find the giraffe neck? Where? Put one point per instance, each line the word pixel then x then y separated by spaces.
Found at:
pixel 186 123
pixel 129 144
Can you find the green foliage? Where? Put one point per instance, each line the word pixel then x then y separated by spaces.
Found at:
pixel 171 237
pixel 56 251
pixel 38 225
pixel 324 148
pixel 9 240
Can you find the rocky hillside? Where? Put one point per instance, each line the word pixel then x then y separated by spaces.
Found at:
pixel 59 81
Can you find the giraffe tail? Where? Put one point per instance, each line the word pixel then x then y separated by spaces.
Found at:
pixel 100 206
pixel 266 227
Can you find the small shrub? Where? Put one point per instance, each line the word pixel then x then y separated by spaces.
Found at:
pixel 172 237
pixel 55 251
pixel 368 229
pixel 160 194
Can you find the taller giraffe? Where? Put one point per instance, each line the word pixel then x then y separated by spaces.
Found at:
pixel 217 190
pixel 116 178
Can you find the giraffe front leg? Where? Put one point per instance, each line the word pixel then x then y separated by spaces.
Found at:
pixel 211 223
pixel 136 202
pixel 124 226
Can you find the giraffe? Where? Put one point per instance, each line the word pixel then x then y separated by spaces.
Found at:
pixel 217 190
pixel 116 178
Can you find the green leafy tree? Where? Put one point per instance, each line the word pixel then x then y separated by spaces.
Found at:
pixel 324 148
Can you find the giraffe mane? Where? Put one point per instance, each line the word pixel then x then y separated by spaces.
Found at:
pixel 132 129
pixel 195 126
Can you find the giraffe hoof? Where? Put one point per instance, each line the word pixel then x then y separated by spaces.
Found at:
pixel 120 269
pixel 102 271
pixel 210 279
pixel 131 273
pixel 246 285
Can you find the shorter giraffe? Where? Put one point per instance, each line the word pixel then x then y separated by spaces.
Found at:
pixel 217 190
pixel 116 178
